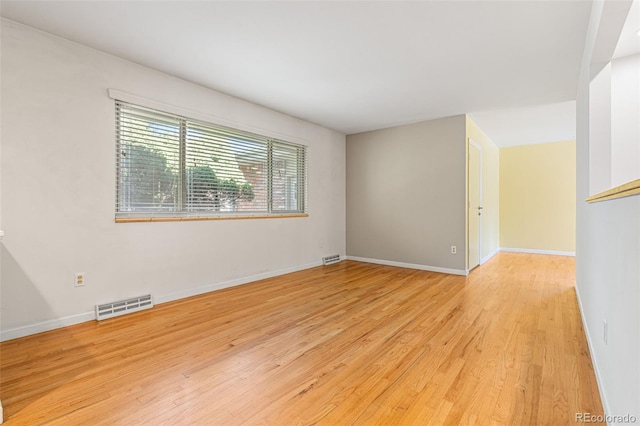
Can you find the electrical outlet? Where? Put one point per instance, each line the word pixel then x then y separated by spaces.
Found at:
pixel 79 279
pixel 605 330
pixel 454 250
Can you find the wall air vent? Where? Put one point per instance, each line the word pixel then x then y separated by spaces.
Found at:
pixel 122 307
pixel 328 260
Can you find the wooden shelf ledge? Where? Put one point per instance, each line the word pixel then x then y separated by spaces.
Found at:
pixel 626 190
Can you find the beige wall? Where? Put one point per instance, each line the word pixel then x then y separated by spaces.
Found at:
pixel 537 196
pixel 490 189
pixel 406 194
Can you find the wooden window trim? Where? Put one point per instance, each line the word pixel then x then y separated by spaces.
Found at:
pixel 201 218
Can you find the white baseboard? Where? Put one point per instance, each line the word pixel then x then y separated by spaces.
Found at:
pixel 489 256
pixel 232 283
pixel 40 327
pixel 410 265
pixel 603 395
pixel 534 251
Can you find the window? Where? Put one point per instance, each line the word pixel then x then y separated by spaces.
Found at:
pixel 173 167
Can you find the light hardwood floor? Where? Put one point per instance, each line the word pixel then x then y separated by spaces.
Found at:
pixel 351 343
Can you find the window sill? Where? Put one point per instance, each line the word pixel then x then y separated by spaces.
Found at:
pixel 626 190
pixel 194 218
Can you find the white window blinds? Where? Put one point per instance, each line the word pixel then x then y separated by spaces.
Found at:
pixel 171 166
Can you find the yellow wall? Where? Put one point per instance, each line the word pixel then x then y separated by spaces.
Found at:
pixel 538 196
pixel 490 189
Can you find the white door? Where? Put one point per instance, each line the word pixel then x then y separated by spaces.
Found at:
pixel 475 204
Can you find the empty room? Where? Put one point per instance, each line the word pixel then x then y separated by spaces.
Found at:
pixel 320 212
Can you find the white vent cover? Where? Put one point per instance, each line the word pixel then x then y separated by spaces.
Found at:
pixel 121 307
pixel 328 260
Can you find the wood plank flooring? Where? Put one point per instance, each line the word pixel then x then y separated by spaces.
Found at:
pixel 350 343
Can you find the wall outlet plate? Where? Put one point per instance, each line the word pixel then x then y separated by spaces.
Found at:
pixel 79 279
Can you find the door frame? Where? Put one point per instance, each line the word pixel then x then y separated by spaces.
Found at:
pixel 477 146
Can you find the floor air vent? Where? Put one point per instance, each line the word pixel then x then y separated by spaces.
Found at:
pixel 121 307
pixel 328 260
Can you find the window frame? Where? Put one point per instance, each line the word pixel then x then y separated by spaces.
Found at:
pixel 183 213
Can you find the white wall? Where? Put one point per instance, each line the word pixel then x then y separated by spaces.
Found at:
pixel 58 176
pixel 614 102
pixel 600 131
pixel 406 194
pixel 607 250
pixel 625 125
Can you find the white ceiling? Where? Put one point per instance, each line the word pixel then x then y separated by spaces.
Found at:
pixel 350 66
pixel 529 125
